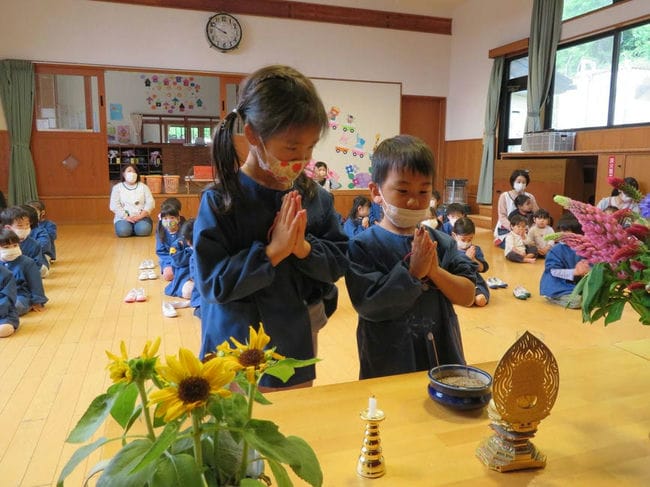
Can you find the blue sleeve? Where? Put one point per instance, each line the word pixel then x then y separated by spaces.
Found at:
pixel 225 273
pixel 162 249
pixel 378 292
pixel 8 294
pixel 352 226
pixel 50 228
pixel 481 258
pixel 35 282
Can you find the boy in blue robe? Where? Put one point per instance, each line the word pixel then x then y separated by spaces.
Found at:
pixel 403 280
pixel 8 314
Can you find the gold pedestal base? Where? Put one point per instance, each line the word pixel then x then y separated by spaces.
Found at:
pixel 371 461
pixel 504 456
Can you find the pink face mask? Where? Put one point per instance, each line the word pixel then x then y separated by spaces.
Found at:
pixel 285 172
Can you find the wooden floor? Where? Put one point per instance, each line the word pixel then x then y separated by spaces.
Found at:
pixel 55 364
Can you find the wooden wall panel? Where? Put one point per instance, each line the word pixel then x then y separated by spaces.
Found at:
pixel 614 139
pixel 4 162
pixel 343 199
pixel 462 160
pixel 90 177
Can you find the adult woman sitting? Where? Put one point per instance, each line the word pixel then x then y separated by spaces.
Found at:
pixel 619 199
pixel 132 203
pixel 519 180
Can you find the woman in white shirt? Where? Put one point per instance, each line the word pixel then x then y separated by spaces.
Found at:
pixel 132 203
pixel 621 200
pixel 519 181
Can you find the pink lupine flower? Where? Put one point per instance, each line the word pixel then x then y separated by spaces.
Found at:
pixel 638 231
pixel 636 285
pixel 615 182
pixel 637 265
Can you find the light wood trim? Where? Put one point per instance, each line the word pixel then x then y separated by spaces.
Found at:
pixel 510 50
pixel 311 12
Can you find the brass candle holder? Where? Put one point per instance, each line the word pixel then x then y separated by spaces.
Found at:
pixel 524 389
pixel 371 461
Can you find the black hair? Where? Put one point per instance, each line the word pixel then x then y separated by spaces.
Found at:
pixel 401 153
pixel 33 215
pixel 8 237
pixel 516 219
pixel 321 164
pixel 455 208
pixel 12 213
pixel 542 213
pixel 358 201
pixel 521 199
pixel 464 226
pixel 38 205
pixel 187 230
pixel 3 201
pixel 271 100
pixel 436 194
pixel 611 208
pixel 569 223
pixel 124 167
pixel 173 201
pixel 519 172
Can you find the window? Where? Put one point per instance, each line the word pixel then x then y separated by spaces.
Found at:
pixel 573 8
pixel 178 129
pixel 514 96
pixel 632 103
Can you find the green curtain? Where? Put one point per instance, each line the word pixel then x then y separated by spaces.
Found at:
pixel 17 94
pixel 545 29
pixel 485 180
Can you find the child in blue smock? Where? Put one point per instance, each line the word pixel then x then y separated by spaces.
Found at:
pixel 463 233
pixel 563 268
pixel 182 285
pixel 404 279
pixel 16 218
pixel 48 225
pixel 8 313
pixel 267 241
pixel 39 233
pixel 167 234
pixel 359 218
pixel 30 295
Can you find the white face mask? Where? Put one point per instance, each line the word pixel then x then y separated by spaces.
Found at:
pixel 22 233
pixel 284 172
pixel 463 245
pixel 625 198
pixel 10 254
pixel 130 177
pixel 452 220
pixel 519 187
pixel 402 217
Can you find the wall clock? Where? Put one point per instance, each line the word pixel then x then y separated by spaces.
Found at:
pixel 223 31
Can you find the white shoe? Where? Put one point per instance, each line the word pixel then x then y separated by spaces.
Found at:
pixel 151 274
pixel 179 304
pixel 168 311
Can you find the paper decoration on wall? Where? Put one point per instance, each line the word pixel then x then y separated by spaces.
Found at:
pixel 70 163
pixel 172 94
pixel 123 134
pixel 111 131
pixel 116 111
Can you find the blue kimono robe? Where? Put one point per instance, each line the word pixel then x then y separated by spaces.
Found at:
pixel 352 227
pixel 181 267
pixel 31 248
pixel 399 314
pixel 163 246
pixel 51 229
pixel 8 313
pixel 240 288
pixel 481 285
pixel 43 239
pixel 561 256
pixel 29 284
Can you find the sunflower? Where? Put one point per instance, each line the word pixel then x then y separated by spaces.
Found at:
pixel 190 384
pixel 119 368
pixel 251 357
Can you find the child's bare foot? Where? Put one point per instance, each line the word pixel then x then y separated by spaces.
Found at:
pixel 480 300
pixel 529 260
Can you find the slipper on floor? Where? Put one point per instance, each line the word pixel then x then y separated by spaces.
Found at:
pixel 495 283
pixel 131 296
pixel 140 295
pixel 168 311
pixel 520 292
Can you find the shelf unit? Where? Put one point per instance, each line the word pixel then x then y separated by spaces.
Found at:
pixel 148 159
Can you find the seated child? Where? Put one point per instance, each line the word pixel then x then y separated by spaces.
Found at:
pixel 39 233
pixel 8 312
pixel 454 212
pixel 358 218
pixel 539 230
pixel 166 236
pixel 463 233
pixel 523 207
pixel 30 294
pixel 16 218
pixel 516 249
pixel 563 268
pixel 182 284
pixel 436 214
pixel 404 280
pixel 48 225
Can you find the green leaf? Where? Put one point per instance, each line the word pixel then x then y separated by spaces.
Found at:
pixel 78 456
pixel 118 471
pixel 615 312
pixel 93 417
pixel 164 440
pixel 279 473
pixel 177 470
pixel 285 368
pixel 267 439
pixel 124 406
pixel 593 283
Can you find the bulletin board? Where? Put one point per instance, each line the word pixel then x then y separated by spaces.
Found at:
pixel 361 115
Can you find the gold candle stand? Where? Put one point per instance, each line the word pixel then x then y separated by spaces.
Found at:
pixel 371 461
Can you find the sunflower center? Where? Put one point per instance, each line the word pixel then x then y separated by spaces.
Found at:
pixel 193 389
pixel 251 357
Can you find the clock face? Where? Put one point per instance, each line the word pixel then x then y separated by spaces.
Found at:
pixel 224 32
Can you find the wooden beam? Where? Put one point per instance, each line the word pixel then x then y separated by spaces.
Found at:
pixel 512 49
pixel 284 9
